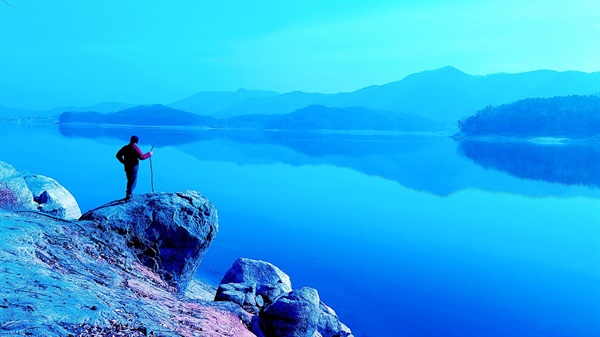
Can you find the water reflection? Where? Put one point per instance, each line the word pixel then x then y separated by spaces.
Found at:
pixel 419 162
pixel 158 137
pixel 413 161
pixel 569 164
pixel 312 144
pixel 474 263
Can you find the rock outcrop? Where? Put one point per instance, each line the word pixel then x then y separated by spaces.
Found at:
pixel 265 291
pixel 126 269
pixel 52 197
pixel 169 232
pixel 65 278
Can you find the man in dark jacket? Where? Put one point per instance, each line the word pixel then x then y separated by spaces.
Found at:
pixel 130 156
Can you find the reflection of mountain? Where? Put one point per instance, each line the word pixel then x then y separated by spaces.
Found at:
pixel 571 164
pixel 423 163
pixel 160 136
pixel 154 136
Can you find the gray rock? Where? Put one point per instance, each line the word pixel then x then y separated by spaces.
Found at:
pixel 259 282
pixel 7 170
pixel 52 197
pixel 345 331
pixel 293 315
pixel 329 324
pixel 14 193
pixel 257 272
pixel 170 232
pixel 232 296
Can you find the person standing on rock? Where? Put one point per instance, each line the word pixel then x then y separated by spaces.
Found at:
pixel 130 156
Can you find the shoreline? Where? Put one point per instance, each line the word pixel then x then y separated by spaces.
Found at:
pixel 540 140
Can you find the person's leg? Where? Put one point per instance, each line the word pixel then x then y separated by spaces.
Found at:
pixel 134 179
pixel 131 176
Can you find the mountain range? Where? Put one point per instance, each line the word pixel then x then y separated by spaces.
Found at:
pixel 444 95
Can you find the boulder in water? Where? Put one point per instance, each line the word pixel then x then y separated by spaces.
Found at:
pixel 293 315
pixel 253 284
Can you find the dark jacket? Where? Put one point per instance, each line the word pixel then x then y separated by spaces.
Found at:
pixel 130 155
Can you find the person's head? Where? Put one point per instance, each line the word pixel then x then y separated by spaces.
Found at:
pixel 134 139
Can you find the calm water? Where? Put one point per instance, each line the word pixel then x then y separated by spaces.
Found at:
pixel 402 235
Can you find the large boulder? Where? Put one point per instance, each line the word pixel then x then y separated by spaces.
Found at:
pixel 14 193
pixel 169 232
pixel 52 197
pixel 253 284
pixel 293 315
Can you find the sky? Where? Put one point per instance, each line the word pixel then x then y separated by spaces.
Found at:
pixel 83 52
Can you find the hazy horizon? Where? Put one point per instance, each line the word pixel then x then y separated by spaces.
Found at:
pixel 80 53
pixel 250 89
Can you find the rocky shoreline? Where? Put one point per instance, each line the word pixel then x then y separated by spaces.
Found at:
pixel 126 269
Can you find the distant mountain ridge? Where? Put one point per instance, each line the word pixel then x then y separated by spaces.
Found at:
pixel 206 102
pixel 320 117
pixel 445 94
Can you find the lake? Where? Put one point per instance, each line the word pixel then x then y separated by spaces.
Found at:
pixel 402 234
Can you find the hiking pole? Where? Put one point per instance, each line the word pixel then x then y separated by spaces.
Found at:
pixel 151 172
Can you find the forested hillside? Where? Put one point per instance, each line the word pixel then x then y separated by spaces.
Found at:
pixel 562 116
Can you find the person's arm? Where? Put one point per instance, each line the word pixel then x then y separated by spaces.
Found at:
pixel 141 155
pixel 120 155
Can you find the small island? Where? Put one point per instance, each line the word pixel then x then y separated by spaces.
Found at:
pixel 575 117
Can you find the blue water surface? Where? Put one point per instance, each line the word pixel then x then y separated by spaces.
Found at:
pixel 403 235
